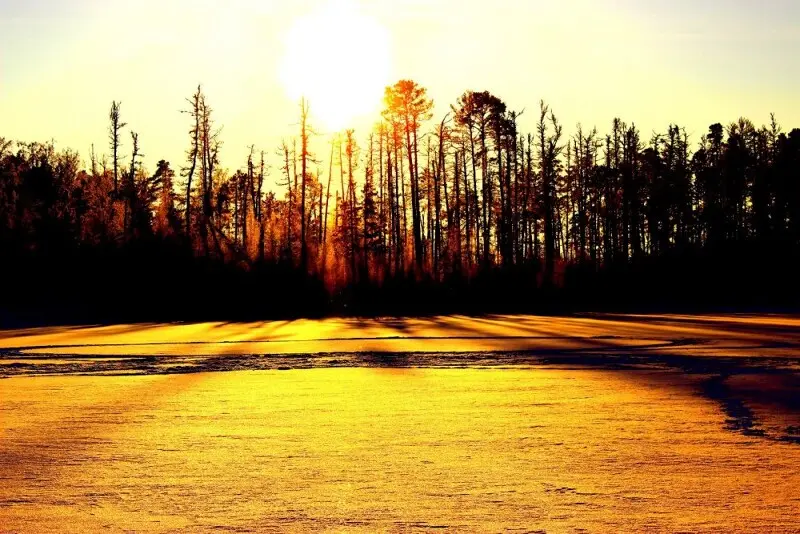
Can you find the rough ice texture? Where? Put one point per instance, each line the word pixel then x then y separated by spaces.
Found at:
pixel 608 423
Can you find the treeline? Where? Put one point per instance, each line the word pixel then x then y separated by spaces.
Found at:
pixel 462 213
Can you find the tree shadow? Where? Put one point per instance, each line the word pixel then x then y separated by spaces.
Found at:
pixel 597 342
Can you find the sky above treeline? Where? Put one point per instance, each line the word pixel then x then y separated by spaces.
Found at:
pixel 691 62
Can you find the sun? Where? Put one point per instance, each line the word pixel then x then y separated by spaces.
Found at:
pixel 338 58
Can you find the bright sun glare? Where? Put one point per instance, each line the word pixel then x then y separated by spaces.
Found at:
pixel 338 59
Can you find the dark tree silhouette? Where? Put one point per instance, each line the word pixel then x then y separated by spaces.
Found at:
pixel 500 219
pixel 114 130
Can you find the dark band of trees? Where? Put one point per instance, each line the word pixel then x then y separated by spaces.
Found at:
pixel 462 213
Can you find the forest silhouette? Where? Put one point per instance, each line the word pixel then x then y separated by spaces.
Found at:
pixel 461 213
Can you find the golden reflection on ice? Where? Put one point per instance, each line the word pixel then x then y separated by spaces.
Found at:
pixel 384 449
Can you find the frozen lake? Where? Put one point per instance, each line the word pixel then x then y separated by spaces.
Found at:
pixel 603 423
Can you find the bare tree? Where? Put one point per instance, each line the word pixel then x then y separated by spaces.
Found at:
pixel 193 152
pixel 549 131
pixel 114 130
pixel 304 156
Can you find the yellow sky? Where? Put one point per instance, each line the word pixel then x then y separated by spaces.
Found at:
pixel 62 62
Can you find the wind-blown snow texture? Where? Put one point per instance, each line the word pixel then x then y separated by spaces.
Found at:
pixel 609 423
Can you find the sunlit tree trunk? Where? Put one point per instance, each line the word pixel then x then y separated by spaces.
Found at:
pixel 303 170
